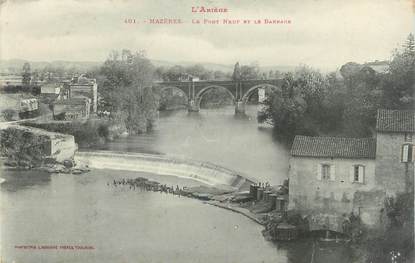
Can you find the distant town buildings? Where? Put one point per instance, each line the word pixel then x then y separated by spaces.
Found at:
pixel 51 88
pixel 82 86
pixel 18 105
pixel 330 177
pixel 77 99
pixel 75 108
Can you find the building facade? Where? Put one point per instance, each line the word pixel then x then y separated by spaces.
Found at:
pixel 82 86
pixel 395 153
pixel 331 177
pixel 72 109
pixel 328 178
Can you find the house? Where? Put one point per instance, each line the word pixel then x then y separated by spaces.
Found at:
pixel 50 88
pixel 330 177
pixel 82 86
pixel 395 153
pixel 72 109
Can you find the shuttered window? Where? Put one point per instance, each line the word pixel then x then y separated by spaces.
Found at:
pixel 406 153
pixel 325 172
pixel 357 174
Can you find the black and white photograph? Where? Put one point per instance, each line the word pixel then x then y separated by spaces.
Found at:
pixel 207 131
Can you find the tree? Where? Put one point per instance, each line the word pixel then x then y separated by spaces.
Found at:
pixel 250 72
pixel 236 76
pixel 399 82
pixel 126 90
pixel 26 75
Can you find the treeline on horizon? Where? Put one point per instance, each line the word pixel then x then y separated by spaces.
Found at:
pixel 344 104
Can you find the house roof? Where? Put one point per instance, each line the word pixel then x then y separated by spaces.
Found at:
pixel 335 147
pixel 395 121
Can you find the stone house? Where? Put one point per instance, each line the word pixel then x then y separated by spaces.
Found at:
pixel 331 177
pixel 395 153
pixel 84 87
pixel 327 177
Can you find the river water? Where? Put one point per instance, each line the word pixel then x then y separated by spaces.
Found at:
pixel 214 135
pixel 118 224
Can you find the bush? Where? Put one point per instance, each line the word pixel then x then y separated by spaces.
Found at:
pixel 9 114
pixel 90 133
pixel 23 147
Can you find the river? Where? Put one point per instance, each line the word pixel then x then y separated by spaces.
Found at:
pixel 216 136
pixel 118 224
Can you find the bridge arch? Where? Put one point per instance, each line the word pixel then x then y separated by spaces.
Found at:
pixel 199 95
pixel 174 88
pixel 250 91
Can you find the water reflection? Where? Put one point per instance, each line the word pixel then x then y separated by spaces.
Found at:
pixel 16 179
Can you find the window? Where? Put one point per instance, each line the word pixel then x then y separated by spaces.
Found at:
pixel 358 174
pixel 406 153
pixel 325 172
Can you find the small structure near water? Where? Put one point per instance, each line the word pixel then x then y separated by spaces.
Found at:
pixel 286 232
pixel 31 146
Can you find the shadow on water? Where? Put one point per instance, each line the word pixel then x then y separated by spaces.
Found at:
pixel 308 250
pixel 16 179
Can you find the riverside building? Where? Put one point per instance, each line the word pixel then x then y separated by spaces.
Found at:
pixel 331 177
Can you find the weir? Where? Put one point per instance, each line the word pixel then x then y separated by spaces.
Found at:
pixel 206 173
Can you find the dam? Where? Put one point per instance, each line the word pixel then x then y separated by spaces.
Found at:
pixel 203 172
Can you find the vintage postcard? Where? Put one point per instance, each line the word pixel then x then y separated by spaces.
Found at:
pixel 186 131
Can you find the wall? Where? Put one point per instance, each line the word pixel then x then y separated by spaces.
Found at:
pixel 63 146
pixel 41 143
pixel 87 90
pixel 72 110
pixel 391 174
pixel 327 201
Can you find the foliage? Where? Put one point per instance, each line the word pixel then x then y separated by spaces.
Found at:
pixel 250 72
pixel 313 104
pixel 216 97
pixel 26 74
pixel 90 133
pixel 126 89
pixel 395 243
pixel 296 108
pixel 9 114
pixel 179 73
pixel 399 82
pixel 23 147
pixel 236 75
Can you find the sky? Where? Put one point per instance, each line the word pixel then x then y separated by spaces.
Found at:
pixel 323 33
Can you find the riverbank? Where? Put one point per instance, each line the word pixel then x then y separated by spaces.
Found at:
pixel 257 218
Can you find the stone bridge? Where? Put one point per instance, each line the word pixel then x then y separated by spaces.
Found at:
pixel 240 91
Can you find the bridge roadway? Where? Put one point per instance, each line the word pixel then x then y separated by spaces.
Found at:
pixel 240 91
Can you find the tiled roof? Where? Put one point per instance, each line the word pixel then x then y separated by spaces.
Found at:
pixel 334 147
pixel 395 121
